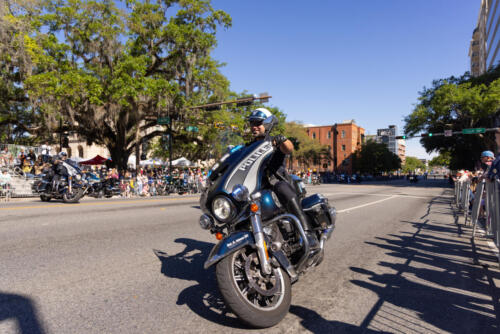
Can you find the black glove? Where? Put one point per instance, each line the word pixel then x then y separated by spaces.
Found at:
pixel 278 140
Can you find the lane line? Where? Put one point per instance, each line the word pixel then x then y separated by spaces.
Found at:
pixel 367 204
pixel 70 205
pixel 380 195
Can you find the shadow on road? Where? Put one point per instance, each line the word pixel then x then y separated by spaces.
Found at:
pixel 22 311
pixel 315 323
pixel 435 277
pixel 202 298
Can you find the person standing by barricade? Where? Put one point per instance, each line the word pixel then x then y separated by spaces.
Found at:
pixel 45 151
pixel 494 170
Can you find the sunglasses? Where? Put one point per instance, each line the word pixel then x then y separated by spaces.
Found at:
pixel 256 123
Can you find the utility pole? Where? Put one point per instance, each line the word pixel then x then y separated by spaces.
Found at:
pixel 335 148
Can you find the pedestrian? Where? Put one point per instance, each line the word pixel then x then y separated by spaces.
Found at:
pixel 495 165
pixel 45 151
pixel 6 158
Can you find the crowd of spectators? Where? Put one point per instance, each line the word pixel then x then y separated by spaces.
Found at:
pixel 149 181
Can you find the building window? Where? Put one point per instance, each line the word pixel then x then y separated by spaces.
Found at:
pixel 343 134
pixel 343 147
pixel 314 135
pixel 329 135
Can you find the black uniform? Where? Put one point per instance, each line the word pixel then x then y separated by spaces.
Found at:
pixel 279 181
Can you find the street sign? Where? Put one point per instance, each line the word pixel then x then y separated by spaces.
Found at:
pixel 163 120
pixel 473 131
pixel 448 133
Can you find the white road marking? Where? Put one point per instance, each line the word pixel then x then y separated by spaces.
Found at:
pixel 371 194
pixel 367 204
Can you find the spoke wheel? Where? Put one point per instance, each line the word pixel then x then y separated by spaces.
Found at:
pixel 259 300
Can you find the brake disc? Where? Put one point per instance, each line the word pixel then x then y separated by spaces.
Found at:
pixel 258 282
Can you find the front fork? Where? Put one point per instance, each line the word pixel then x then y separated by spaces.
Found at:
pixel 260 242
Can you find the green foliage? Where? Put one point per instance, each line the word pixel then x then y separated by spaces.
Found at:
pixel 116 70
pixel 308 149
pixel 375 158
pixel 412 164
pixel 442 159
pixel 456 104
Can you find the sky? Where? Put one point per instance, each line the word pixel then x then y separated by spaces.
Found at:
pixel 324 62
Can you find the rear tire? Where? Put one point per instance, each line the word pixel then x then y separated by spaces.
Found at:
pixel 253 308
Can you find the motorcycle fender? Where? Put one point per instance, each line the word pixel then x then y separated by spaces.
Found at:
pixel 228 246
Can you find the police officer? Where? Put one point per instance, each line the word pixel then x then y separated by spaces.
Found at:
pixel 277 177
pixel 60 171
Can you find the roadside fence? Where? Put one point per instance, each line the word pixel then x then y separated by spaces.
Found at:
pixel 485 207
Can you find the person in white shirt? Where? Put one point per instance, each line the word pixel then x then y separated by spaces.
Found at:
pixel 45 151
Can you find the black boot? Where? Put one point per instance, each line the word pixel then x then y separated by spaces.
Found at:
pixel 295 208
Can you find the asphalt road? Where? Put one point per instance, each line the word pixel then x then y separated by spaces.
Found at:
pixel 397 262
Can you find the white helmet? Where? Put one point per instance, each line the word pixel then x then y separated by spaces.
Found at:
pixel 259 115
pixel 265 117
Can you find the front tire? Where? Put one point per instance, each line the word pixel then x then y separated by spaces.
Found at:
pixel 258 301
pixel 45 198
pixel 73 197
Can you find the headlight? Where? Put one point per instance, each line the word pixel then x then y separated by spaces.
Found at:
pixel 206 222
pixel 222 208
pixel 78 177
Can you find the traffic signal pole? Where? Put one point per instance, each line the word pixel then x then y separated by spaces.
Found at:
pixel 470 131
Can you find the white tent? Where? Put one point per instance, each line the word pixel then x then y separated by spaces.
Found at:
pixel 181 162
pixel 152 162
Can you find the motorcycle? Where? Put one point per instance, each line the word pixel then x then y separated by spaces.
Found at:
pixel 262 249
pixel 105 188
pixel 70 189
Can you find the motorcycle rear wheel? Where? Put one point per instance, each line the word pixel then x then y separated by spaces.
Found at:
pixel 258 301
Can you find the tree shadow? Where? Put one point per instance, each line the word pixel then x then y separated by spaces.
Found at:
pixel 439 280
pixel 203 298
pixel 315 323
pixel 22 310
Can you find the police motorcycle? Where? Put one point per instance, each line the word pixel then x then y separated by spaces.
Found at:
pixel 70 189
pixel 262 249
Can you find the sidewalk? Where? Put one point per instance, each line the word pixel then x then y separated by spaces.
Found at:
pixel 442 280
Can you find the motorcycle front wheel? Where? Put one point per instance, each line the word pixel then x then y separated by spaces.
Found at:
pixel 73 197
pixel 259 301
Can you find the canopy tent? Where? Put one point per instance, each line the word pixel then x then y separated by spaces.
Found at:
pixel 152 162
pixel 181 162
pixel 97 160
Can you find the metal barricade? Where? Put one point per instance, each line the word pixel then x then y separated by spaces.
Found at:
pixel 476 204
pixel 490 191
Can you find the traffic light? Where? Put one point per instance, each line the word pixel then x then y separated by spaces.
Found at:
pixel 401 137
pixel 426 134
pixel 65 142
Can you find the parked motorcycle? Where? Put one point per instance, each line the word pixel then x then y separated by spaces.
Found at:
pixel 262 248
pixel 70 189
pixel 105 188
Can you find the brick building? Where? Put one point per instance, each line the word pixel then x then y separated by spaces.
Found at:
pixel 342 140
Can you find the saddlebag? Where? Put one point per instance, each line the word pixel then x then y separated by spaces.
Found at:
pixel 317 209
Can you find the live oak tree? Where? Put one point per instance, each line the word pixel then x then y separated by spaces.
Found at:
pixel 16 119
pixel 109 72
pixel 306 149
pixel 455 104
pixel 375 158
pixel 412 164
